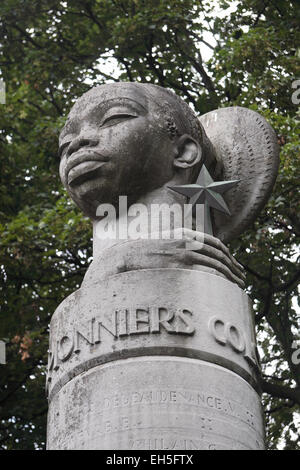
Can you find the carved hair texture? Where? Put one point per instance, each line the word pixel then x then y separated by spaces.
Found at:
pixel 180 119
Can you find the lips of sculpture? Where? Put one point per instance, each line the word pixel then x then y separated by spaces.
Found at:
pixel 84 171
pixel 82 165
pixel 83 155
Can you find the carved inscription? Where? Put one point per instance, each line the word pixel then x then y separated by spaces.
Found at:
pixel 142 320
pixel 125 322
pixel 227 334
pixel 200 399
pixel 198 422
pixel 125 423
pixel 160 443
pixel 197 416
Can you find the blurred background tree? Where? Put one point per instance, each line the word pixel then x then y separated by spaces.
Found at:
pixel 213 54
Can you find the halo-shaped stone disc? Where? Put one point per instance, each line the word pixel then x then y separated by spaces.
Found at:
pixel 247 147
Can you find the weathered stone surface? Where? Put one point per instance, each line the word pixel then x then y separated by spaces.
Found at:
pixel 247 146
pixel 156 350
pixel 139 140
pixel 130 139
pixel 154 331
pixel 204 253
pixel 176 312
pixel 156 403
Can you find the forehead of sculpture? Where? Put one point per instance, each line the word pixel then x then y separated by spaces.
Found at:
pixel 94 103
pixel 146 98
pixel 109 94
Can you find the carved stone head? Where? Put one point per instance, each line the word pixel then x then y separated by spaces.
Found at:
pixel 129 139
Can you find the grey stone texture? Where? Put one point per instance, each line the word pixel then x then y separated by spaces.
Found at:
pixel 173 331
pixel 157 348
pixel 247 146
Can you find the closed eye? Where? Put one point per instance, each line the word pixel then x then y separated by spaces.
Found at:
pixel 116 118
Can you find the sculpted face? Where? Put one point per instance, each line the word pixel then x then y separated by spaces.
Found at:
pixel 115 143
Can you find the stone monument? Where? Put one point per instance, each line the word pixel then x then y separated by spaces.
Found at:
pixel 157 349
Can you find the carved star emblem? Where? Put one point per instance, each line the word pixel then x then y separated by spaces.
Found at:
pixel 207 194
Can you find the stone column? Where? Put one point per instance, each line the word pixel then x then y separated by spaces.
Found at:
pixel 153 358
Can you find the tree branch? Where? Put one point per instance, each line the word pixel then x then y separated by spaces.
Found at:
pixel 288 284
pixel 254 273
pixel 281 391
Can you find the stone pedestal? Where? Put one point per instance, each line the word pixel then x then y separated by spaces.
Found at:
pixel 159 359
pixel 156 350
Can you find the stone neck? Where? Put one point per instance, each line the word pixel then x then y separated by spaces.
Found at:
pixel 150 212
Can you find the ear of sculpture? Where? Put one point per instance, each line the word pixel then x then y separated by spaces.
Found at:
pixel 188 152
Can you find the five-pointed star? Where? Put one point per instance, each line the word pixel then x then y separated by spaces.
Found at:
pixel 206 191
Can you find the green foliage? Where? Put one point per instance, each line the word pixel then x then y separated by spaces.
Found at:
pixel 50 53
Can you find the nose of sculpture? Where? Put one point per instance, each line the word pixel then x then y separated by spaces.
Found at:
pixel 84 139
